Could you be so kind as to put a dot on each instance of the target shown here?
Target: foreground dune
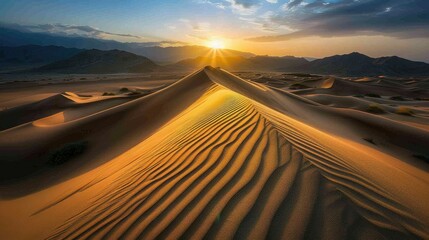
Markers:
(218, 157)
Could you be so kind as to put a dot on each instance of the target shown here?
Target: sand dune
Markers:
(215, 156)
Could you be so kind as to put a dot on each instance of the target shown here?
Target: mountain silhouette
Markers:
(97, 61)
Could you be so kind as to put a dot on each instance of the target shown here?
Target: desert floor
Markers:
(213, 155)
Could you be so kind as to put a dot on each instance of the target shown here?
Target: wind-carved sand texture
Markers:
(232, 159)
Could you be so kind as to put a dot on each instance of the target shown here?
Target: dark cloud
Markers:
(86, 32)
(398, 18)
(70, 30)
(293, 3)
(73, 29)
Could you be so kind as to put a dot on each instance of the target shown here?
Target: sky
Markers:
(311, 28)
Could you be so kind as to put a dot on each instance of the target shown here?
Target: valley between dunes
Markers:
(214, 156)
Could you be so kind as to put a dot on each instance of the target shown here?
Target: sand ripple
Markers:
(241, 161)
(233, 170)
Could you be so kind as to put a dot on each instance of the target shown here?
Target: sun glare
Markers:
(216, 44)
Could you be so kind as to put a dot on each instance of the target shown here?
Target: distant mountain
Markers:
(168, 55)
(237, 63)
(30, 56)
(357, 64)
(401, 66)
(74, 60)
(98, 61)
(13, 37)
(286, 63)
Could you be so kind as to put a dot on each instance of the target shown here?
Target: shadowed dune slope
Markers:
(111, 126)
(343, 87)
(238, 161)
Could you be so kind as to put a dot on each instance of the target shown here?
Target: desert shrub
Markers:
(397, 98)
(373, 95)
(124, 89)
(404, 111)
(108, 94)
(375, 108)
(359, 96)
(83, 78)
(67, 152)
(297, 86)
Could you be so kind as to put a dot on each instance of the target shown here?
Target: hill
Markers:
(30, 56)
(97, 61)
(357, 64)
(255, 63)
(353, 64)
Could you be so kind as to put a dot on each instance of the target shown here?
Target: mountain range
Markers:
(357, 64)
(98, 61)
(61, 54)
(31, 56)
(238, 63)
(71, 60)
(12, 38)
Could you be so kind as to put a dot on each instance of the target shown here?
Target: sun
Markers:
(216, 44)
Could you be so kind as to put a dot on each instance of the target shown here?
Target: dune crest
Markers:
(239, 161)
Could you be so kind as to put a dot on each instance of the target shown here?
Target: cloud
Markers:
(89, 32)
(220, 5)
(244, 7)
(196, 26)
(292, 3)
(397, 18)
(198, 37)
(244, 3)
(240, 7)
(70, 30)
(263, 22)
(162, 44)
(73, 30)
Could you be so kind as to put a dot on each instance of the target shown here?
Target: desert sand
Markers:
(217, 156)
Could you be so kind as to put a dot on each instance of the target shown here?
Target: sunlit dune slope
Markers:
(233, 160)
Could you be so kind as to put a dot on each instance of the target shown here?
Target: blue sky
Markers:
(137, 17)
(267, 26)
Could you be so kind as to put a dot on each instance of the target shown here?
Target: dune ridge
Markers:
(240, 161)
